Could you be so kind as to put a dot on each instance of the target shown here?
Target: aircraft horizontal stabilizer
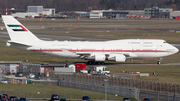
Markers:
(19, 43)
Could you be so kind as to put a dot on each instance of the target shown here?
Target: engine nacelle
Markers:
(117, 57)
(97, 57)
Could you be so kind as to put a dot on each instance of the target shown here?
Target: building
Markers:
(174, 14)
(136, 12)
(41, 10)
(156, 12)
(49, 11)
(115, 13)
(10, 67)
(81, 14)
(35, 9)
(96, 14)
(24, 15)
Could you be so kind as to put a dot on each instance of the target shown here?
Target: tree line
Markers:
(87, 5)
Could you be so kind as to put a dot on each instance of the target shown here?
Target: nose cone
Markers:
(176, 50)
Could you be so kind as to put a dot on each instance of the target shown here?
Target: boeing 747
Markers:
(94, 51)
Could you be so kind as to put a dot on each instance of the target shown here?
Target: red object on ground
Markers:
(80, 66)
(177, 17)
(134, 72)
(150, 73)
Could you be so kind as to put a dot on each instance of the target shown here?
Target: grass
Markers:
(45, 91)
(164, 73)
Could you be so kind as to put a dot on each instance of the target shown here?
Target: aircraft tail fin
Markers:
(16, 31)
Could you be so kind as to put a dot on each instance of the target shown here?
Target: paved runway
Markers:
(159, 23)
(56, 37)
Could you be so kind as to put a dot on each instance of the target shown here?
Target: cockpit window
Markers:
(164, 42)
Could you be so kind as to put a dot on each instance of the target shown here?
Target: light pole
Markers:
(106, 88)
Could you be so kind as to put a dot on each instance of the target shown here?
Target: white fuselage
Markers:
(131, 48)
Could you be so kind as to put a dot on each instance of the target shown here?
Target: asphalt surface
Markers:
(56, 37)
(4, 34)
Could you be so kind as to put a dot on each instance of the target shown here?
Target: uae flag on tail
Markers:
(17, 27)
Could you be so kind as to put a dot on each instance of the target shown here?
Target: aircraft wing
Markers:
(83, 53)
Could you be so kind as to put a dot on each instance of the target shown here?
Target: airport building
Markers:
(24, 15)
(49, 11)
(153, 12)
(82, 14)
(156, 12)
(174, 14)
(35, 9)
(41, 10)
(115, 13)
(10, 66)
(136, 12)
(96, 14)
(108, 14)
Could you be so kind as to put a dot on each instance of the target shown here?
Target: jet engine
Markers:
(117, 57)
(97, 57)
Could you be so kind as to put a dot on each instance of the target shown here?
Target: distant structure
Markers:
(82, 14)
(48, 11)
(24, 15)
(153, 12)
(156, 12)
(96, 14)
(115, 13)
(35, 11)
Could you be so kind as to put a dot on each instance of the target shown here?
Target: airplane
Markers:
(93, 51)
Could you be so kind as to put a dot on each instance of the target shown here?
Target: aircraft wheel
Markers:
(89, 62)
(159, 62)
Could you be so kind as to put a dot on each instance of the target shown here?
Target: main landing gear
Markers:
(94, 62)
(159, 61)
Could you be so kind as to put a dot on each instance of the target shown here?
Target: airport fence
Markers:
(113, 85)
(2, 69)
(97, 83)
(128, 83)
(119, 86)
